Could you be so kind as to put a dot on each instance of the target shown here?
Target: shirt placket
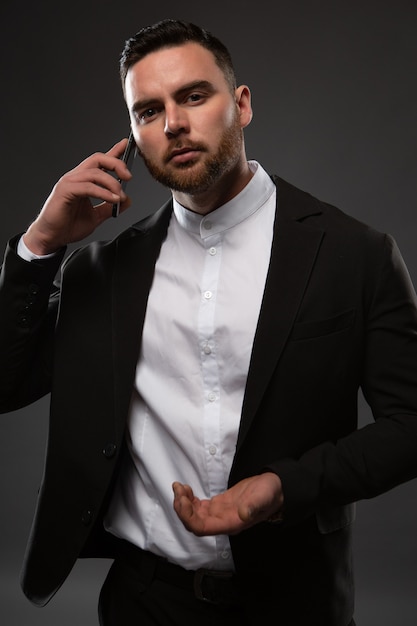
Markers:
(208, 312)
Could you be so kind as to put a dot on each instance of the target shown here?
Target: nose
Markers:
(176, 121)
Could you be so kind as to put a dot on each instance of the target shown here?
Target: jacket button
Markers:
(109, 450)
(24, 320)
(86, 517)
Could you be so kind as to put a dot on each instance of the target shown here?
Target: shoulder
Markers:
(296, 204)
(100, 254)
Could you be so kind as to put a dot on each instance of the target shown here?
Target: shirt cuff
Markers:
(27, 255)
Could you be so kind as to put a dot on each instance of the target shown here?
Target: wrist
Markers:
(38, 245)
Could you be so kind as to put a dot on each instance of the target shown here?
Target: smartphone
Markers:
(128, 157)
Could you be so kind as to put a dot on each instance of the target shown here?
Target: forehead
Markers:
(164, 71)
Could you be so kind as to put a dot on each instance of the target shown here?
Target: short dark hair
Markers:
(168, 33)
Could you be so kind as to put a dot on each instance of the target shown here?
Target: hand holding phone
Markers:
(128, 157)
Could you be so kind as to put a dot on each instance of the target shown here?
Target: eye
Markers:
(195, 97)
(146, 115)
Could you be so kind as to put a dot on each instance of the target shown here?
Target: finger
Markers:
(182, 490)
(93, 182)
(98, 192)
(183, 499)
(245, 513)
(179, 493)
(110, 161)
(118, 148)
(117, 151)
(184, 509)
(125, 204)
(177, 488)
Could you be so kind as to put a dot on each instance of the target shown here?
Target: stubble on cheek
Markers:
(199, 174)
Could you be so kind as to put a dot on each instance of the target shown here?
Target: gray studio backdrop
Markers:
(335, 101)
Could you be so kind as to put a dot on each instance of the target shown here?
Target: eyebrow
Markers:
(187, 88)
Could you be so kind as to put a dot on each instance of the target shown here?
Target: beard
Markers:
(186, 178)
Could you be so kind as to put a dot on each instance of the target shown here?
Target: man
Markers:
(204, 367)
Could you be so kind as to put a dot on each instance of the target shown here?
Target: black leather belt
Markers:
(213, 586)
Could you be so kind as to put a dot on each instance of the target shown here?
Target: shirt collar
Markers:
(252, 197)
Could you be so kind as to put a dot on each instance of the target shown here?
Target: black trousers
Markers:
(143, 590)
(126, 600)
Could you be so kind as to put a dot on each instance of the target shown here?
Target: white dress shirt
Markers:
(200, 323)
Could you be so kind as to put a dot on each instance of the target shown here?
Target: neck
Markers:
(227, 188)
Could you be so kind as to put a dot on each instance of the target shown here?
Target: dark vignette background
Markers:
(335, 100)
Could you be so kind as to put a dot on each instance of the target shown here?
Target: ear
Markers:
(243, 102)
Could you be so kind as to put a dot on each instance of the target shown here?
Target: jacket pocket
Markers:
(331, 518)
(309, 330)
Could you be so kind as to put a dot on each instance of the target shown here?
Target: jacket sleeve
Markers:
(383, 454)
(28, 309)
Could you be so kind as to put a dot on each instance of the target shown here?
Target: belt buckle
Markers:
(199, 576)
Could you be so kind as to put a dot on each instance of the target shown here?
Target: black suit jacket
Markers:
(338, 312)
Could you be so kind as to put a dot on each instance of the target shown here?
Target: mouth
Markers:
(182, 155)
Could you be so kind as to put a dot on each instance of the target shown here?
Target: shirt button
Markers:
(211, 396)
(207, 349)
(207, 225)
(208, 295)
(213, 251)
(212, 450)
(225, 555)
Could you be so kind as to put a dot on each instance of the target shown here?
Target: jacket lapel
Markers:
(294, 250)
(136, 254)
